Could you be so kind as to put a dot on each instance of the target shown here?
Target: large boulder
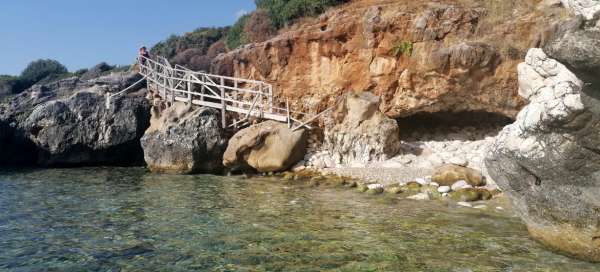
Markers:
(81, 130)
(184, 140)
(548, 161)
(448, 174)
(266, 147)
(361, 133)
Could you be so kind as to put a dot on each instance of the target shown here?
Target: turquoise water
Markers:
(124, 219)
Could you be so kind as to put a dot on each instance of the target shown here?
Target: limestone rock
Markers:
(548, 161)
(576, 44)
(65, 122)
(362, 133)
(184, 140)
(80, 130)
(267, 147)
(448, 174)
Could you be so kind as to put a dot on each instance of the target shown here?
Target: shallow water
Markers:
(124, 219)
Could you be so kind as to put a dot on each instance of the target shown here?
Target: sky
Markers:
(83, 33)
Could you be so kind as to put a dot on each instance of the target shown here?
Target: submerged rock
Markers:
(184, 140)
(362, 133)
(267, 147)
(467, 195)
(548, 161)
(420, 196)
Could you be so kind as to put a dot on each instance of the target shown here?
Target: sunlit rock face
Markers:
(418, 56)
(269, 146)
(361, 134)
(548, 161)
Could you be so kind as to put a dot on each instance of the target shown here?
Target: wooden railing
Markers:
(244, 97)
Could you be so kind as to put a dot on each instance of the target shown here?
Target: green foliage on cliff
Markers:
(402, 48)
(9, 84)
(284, 12)
(40, 69)
(201, 38)
(236, 36)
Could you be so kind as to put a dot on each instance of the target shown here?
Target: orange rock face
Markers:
(419, 56)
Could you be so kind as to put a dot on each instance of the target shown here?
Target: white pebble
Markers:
(375, 186)
(461, 184)
(458, 161)
(435, 184)
(444, 189)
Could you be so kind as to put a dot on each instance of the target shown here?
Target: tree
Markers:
(40, 69)
(236, 36)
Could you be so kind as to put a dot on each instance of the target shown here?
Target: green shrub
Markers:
(236, 36)
(7, 78)
(40, 69)
(201, 38)
(402, 48)
(284, 12)
(80, 72)
(9, 84)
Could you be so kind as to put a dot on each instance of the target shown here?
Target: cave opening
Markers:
(448, 126)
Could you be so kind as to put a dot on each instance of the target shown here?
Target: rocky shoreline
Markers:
(546, 161)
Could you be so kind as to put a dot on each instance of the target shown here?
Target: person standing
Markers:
(143, 55)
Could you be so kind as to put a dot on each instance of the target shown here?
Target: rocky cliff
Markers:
(66, 123)
(419, 56)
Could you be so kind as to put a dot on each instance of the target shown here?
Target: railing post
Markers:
(164, 87)
(172, 86)
(287, 108)
(270, 99)
(223, 105)
(235, 92)
(189, 88)
(107, 101)
(202, 88)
